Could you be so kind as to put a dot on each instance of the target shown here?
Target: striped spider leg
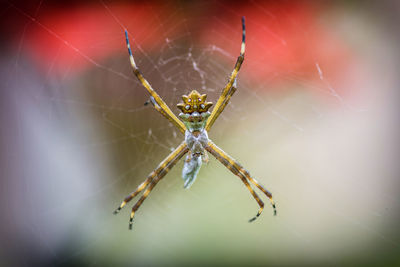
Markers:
(225, 102)
(218, 153)
(154, 177)
(230, 87)
(242, 173)
(155, 99)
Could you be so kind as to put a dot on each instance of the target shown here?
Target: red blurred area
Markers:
(74, 38)
(285, 40)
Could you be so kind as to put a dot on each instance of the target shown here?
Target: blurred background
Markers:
(315, 119)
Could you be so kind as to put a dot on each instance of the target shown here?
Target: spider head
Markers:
(194, 102)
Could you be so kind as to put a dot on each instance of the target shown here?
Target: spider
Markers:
(195, 121)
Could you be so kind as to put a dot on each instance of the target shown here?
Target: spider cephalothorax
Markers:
(194, 111)
(194, 102)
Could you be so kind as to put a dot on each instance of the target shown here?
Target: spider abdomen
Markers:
(190, 169)
(196, 142)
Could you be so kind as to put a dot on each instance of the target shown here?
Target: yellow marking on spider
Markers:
(146, 193)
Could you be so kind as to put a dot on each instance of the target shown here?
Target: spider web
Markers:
(77, 138)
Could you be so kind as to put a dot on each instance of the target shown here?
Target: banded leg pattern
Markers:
(219, 106)
(163, 107)
(235, 167)
(153, 178)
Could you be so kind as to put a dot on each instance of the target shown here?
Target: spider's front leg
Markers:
(238, 170)
(155, 99)
(230, 87)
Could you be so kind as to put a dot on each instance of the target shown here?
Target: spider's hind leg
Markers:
(140, 188)
(238, 170)
(153, 178)
(235, 171)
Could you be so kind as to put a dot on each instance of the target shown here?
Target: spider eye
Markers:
(190, 100)
(199, 100)
(187, 107)
(202, 106)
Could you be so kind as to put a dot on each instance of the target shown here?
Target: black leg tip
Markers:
(274, 209)
(116, 211)
(147, 102)
(254, 218)
(130, 223)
